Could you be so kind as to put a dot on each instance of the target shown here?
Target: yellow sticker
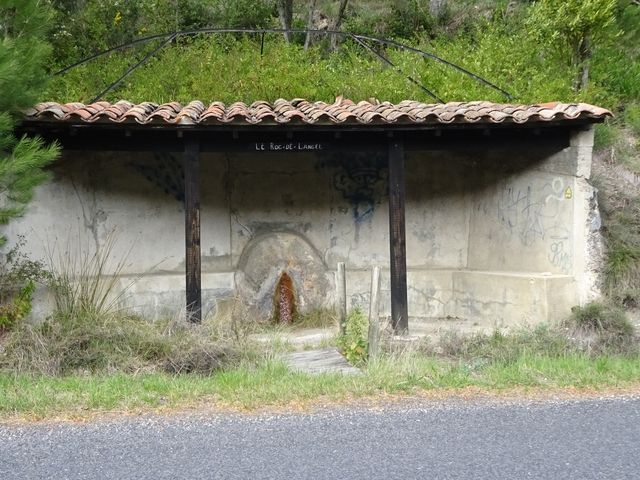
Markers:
(568, 193)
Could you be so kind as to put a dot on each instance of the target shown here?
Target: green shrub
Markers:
(410, 18)
(600, 328)
(88, 27)
(18, 307)
(18, 278)
(599, 317)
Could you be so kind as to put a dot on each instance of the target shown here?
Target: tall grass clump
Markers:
(116, 344)
(87, 284)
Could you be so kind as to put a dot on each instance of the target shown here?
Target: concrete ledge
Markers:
(500, 299)
(162, 295)
(486, 299)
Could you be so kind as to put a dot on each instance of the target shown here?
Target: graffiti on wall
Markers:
(521, 213)
(361, 180)
(532, 212)
(560, 257)
(535, 213)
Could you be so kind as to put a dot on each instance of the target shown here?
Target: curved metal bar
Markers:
(432, 56)
(133, 67)
(111, 50)
(380, 41)
(385, 60)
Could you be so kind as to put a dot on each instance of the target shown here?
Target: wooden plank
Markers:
(374, 316)
(192, 229)
(327, 360)
(397, 239)
(341, 297)
(471, 140)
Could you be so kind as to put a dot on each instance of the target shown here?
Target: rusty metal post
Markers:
(397, 238)
(192, 229)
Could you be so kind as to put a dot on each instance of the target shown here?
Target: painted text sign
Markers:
(288, 147)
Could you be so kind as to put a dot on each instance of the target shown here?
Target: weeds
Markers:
(318, 318)
(600, 318)
(126, 344)
(499, 347)
(593, 330)
(89, 333)
(353, 343)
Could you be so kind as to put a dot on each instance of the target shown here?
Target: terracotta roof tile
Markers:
(301, 111)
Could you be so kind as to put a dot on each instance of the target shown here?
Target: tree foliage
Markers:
(89, 26)
(23, 55)
(576, 25)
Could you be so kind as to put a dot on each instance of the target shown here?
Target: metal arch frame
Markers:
(395, 159)
(361, 40)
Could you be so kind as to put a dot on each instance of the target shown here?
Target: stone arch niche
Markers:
(268, 259)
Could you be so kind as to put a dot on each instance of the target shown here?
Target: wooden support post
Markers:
(374, 316)
(397, 239)
(192, 228)
(341, 297)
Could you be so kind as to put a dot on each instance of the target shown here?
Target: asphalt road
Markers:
(593, 439)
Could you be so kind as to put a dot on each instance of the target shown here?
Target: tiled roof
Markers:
(299, 111)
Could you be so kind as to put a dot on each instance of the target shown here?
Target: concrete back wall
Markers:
(493, 237)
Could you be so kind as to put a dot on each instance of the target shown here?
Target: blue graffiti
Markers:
(362, 181)
(166, 172)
